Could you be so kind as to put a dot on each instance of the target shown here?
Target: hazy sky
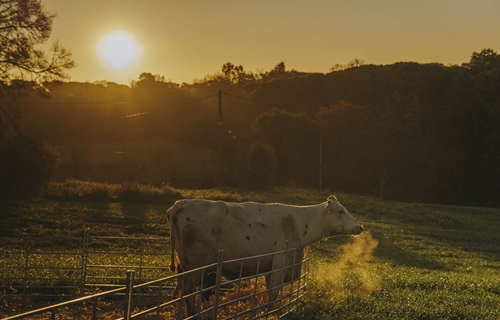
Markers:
(186, 40)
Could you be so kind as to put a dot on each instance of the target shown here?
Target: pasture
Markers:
(415, 261)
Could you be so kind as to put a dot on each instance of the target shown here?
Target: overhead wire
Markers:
(250, 99)
(95, 102)
(138, 114)
(164, 108)
(143, 113)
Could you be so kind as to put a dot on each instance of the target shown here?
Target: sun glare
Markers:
(118, 49)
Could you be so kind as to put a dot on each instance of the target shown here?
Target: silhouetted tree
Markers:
(351, 64)
(236, 74)
(26, 162)
(260, 166)
(295, 139)
(483, 101)
(24, 25)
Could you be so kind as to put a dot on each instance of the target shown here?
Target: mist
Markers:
(353, 273)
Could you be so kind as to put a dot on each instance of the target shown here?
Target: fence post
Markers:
(26, 265)
(158, 302)
(94, 308)
(85, 253)
(220, 259)
(140, 259)
(128, 294)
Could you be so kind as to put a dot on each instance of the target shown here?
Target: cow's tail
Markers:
(172, 257)
(172, 242)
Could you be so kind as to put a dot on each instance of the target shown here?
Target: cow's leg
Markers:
(274, 281)
(180, 280)
(191, 281)
(177, 291)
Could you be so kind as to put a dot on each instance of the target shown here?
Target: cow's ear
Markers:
(329, 200)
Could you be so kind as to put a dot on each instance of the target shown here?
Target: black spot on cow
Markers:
(249, 224)
(260, 224)
(248, 238)
(289, 227)
(306, 226)
(274, 242)
(188, 219)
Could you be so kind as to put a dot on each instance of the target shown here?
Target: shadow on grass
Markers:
(386, 250)
(389, 251)
(407, 258)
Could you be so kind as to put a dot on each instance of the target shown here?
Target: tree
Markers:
(293, 138)
(26, 162)
(485, 59)
(260, 165)
(236, 74)
(351, 64)
(153, 84)
(279, 68)
(484, 142)
(24, 24)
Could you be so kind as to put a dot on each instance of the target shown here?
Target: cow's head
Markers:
(339, 220)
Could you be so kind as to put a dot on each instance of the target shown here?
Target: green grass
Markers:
(415, 261)
(89, 191)
(430, 262)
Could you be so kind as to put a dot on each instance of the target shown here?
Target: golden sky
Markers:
(186, 40)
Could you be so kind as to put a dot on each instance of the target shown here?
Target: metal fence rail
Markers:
(246, 296)
(81, 265)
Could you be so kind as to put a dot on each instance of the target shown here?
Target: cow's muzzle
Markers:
(360, 229)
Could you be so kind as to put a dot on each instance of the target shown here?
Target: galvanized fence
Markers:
(244, 297)
(79, 265)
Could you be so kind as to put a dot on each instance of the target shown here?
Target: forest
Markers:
(404, 132)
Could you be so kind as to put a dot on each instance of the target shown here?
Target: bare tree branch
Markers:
(24, 25)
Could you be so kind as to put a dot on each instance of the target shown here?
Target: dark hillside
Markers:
(406, 131)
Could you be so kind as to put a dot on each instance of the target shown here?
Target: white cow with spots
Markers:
(200, 228)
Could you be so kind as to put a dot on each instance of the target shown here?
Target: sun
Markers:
(118, 49)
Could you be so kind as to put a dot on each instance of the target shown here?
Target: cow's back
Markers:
(202, 227)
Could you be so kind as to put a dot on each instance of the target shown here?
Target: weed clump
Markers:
(89, 191)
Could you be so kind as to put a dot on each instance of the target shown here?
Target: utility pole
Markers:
(221, 150)
(320, 163)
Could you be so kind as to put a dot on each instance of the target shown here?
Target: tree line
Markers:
(405, 131)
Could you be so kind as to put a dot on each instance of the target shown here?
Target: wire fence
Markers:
(79, 265)
(242, 297)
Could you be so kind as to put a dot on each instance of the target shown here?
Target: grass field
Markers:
(415, 261)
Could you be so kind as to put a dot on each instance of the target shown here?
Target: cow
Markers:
(200, 228)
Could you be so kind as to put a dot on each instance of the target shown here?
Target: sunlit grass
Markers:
(415, 261)
(76, 190)
(416, 271)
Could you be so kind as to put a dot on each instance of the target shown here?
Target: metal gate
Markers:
(81, 265)
(245, 300)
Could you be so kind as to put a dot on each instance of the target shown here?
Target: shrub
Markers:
(26, 164)
(137, 193)
(260, 165)
(76, 190)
